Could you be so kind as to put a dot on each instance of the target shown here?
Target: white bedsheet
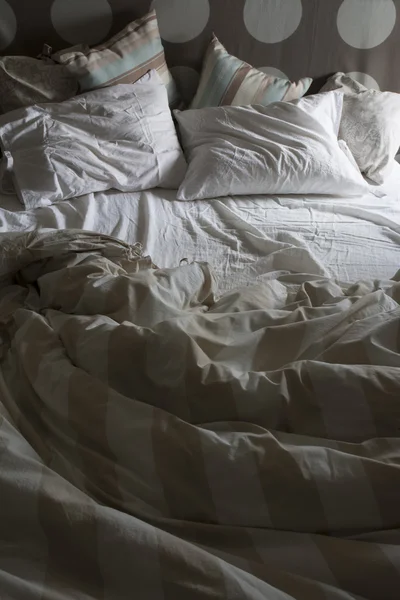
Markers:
(242, 238)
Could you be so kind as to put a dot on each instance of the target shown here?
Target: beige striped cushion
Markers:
(124, 58)
(227, 80)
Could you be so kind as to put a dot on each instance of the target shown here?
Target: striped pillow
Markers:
(227, 80)
(124, 58)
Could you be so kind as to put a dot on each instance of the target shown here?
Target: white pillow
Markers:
(283, 148)
(120, 137)
(370, 125)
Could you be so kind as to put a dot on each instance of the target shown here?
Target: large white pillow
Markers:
(120, 137)
(283, 148)
(370, 125)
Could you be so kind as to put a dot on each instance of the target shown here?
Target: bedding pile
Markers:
(157, 442)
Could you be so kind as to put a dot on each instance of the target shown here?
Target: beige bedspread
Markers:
(159, 444)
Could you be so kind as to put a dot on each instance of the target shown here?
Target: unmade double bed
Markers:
(200, 311)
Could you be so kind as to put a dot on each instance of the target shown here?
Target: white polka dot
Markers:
(81, 21)
(364, 24)
(181, 20)
(8, 24)
(187, 81)
(364, 79)
(274, 72)
(272, 21)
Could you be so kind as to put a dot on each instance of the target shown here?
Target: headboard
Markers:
(297, 37)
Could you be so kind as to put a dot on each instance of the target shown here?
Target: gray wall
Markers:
(298, 37)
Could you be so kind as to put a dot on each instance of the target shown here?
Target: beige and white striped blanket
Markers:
(157, 444)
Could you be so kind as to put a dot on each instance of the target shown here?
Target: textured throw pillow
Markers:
(284, 148)
(124, 58)
(120, 137)
(227, 80)
(370, 125)
(25, 81)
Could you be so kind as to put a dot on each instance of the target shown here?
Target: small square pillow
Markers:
(370, 125)
(284, 148)
(120, 137)
(228, 81)
(124, 58)
(25, 81)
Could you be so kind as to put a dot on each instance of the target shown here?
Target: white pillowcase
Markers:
(283, 148)
(120, 137)
(370, 125)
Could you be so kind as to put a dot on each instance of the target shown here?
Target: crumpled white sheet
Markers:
(243, 238)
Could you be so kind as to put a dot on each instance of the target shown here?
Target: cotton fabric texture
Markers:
(124, 58)
(157, 444)
(227, 80)
(285, 148)
(244, 237)
(25, 81)
(120, 137)
(370, 125)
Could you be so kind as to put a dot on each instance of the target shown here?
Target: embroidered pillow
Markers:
(370, 125)
(25, 81)
(227, 80)
(124, 58)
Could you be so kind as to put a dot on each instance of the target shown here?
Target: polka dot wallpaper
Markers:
(294, 37)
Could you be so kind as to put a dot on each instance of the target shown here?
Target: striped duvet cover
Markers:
(159, 443)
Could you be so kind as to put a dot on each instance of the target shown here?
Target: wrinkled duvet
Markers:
(158, 443)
